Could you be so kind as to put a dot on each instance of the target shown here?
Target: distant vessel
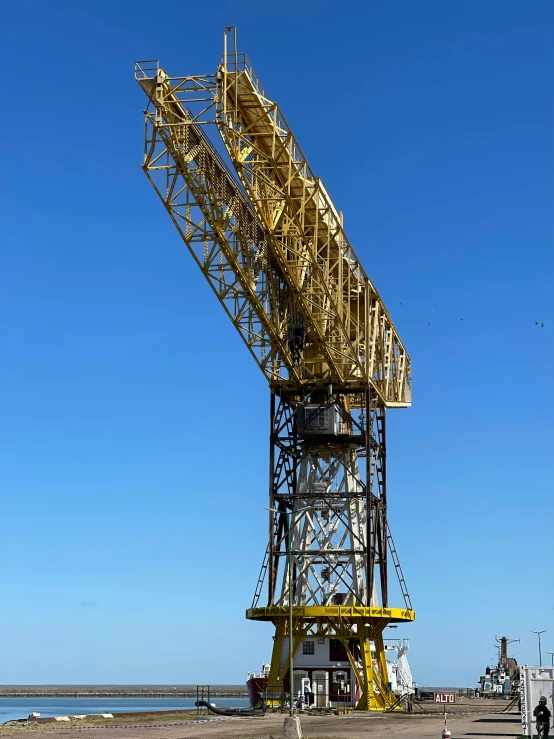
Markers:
(323, 676)
(399, 672)
(256, 684)
(503, 679)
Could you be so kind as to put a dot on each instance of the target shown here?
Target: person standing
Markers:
(542, 714)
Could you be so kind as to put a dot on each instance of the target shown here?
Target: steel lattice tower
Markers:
(273, 248)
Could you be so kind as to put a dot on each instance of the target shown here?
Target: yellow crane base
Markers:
(347, 624)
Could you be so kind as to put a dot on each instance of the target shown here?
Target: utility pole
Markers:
(291, 643)
(289, 515)
(538, 633)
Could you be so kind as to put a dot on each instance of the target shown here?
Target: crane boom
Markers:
(354, 340)
(293, 286)
(219, 226)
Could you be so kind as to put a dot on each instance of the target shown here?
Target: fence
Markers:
(317, 694)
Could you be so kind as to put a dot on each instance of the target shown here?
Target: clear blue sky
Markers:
(133, 486)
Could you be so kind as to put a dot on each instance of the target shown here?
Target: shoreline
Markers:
(35, 691)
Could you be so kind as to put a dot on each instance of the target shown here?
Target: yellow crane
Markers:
(272, 245)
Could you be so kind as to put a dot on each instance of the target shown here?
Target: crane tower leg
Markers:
(328, 514)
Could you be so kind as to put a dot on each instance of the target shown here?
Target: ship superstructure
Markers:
(502, 679)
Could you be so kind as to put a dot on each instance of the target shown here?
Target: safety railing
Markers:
(315, 695)
(146, 69)
(240, 63)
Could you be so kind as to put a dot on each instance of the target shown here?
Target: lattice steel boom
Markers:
(273, 248)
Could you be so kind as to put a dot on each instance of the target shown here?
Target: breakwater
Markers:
(119, 691)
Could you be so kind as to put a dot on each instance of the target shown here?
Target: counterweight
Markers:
(273, 248)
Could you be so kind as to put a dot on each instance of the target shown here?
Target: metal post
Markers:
(271, 512)
(383, 569)
(551, 658)
(370, 559)
(225, 32)
(289, 515)
(538, 633)
(291, 648)
(236, 72)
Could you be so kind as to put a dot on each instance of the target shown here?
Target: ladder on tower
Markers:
(263, 569)
(261, 579)
(398, 568)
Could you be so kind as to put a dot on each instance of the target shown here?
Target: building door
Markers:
(320, 686)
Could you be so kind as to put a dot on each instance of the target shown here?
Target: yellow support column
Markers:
(275, 689)
(387, 698)
(367, 700)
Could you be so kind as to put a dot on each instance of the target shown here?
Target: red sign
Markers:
(449, 697)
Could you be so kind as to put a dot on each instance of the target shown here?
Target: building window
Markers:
(308, 647)
(337, 651)
(316, 419)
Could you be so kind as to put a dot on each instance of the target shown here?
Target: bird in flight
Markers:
(536, 323)
(461, 319)
(428, 323)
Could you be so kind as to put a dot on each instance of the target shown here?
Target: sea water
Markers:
(13, 708)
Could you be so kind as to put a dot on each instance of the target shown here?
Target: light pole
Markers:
(289, 515)
(551, 658)
(291, 648)
(538, 633)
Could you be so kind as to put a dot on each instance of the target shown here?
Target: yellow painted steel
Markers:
(269, 247)
(347, 624)
(371, 613)
(353, 340)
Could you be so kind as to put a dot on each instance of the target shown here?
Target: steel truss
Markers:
(328, 510)
(216, 221)
(273, 249)
(296, 238)
(359, 629)
(352, 340)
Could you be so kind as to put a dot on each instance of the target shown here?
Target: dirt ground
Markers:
(376, 726)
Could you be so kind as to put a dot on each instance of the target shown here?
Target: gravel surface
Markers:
(376, 726)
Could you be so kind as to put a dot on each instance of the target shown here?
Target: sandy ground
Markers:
(376, 726)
